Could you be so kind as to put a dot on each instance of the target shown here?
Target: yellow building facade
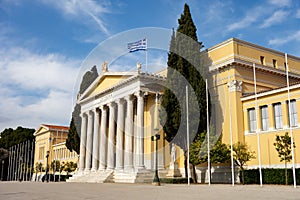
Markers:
(232, 65)
(119, 118)
(50, 142)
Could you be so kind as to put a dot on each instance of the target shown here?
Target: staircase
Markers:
(92, 177)
(140, 176)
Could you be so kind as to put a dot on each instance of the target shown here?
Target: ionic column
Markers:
(128, 159)
(111, 136)
(96, 140)
(140, 131)
(103, 138)
(120, 130)
(82, 142)
(89, 142)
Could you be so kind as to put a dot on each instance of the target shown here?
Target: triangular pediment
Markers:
(104, 82)
(41, 129)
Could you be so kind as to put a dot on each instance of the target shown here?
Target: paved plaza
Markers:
(39, 190)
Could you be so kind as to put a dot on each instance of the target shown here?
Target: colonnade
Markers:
(109, 139)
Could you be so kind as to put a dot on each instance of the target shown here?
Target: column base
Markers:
(128, 169)
(119, 169)
(93, 170)
(87, 171)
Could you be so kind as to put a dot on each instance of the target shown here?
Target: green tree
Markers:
(283, 147)
(183, 69)
(241, 155)
(73, 140)
(10, 137)
(219, 152)
(55, 165)
(70, 167)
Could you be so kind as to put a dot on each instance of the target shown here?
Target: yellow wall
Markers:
(57, 140)
(228, 104)
(107, 82)
(269, 156)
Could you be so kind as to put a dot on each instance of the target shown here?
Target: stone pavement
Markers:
(39, 190)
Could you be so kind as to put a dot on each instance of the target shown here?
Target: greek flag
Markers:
(136, 46)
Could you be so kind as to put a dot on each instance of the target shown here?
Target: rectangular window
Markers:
(274, 63)
(278, 115)
(293, 119)
(41, 153)
(264, 118)
(252, 120)
(262, 60)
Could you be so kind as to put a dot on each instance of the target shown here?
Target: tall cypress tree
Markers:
(184, 68)
(73, 140)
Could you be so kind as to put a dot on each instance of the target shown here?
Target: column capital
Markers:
(103, 107)
(129, 98)
(140, 94)
(120, 101)
(111, 105)
(96, 110)
(235, 86)
(158, 97)
(89, 113)
(84, 114)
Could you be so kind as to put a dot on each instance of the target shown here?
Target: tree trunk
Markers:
(243, 175)
(194, 176)
(286, 176)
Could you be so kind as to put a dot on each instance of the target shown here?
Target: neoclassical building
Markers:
(50, 142)
(119, 117)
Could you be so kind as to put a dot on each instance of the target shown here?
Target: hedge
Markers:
(270, 176)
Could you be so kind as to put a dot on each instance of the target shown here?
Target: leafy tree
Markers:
(55, 165)
(73, 140)
(181, 72)
(241, 155)
(283, 147)
(219, 152)
(10, 137)
(70, 167)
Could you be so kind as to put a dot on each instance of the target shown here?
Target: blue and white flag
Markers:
(139, 45)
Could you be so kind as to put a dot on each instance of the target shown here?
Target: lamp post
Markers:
(47, 167)
(155, 138)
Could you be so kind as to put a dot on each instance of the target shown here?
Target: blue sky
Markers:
(44, 43)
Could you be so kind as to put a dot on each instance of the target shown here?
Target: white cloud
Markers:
(280, 3)
(248, 20)
(280, 41)
(83, 10)
(276, 18)
(35, 88)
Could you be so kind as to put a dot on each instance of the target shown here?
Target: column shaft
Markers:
(111, 137)
(140, 131)
(120, 131)
(128, 159)
(82, 142)
(96, 140)
(89, 142)
(103, 138)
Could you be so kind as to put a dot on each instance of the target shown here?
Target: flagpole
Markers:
(230, 130)
(208, 133)
(187, 134)
(257, 130)
(290, 120)
(146, 54)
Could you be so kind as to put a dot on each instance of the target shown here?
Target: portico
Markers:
(114, 127)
